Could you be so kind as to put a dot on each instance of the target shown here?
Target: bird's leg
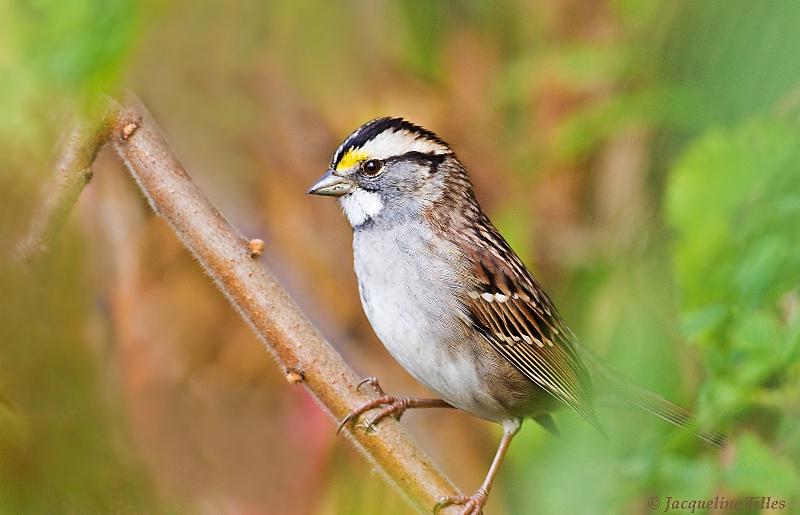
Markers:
(473, 504)
(394, 406)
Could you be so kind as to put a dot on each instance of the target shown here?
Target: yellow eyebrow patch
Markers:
(350, 158)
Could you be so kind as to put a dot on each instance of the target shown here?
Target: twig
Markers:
(73, 173)
(230, 259)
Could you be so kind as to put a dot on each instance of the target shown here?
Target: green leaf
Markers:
(733, 200)
(685, 478)
(758, 470)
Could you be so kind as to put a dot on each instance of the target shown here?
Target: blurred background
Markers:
(643, 157)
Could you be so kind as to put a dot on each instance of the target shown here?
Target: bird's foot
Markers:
(394, 406)
(472, 504)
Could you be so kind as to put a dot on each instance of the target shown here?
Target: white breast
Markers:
(408, 293)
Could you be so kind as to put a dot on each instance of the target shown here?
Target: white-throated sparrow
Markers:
(450, 299)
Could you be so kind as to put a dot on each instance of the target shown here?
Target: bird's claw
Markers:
(473, 504)
(344, 421)
(372, 380)
(394, 406)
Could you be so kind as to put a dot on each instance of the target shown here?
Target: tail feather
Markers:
(654, 404)
(631, 394)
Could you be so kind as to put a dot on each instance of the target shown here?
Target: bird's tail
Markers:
(626, 392)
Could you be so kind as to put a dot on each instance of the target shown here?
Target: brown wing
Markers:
(518, 319)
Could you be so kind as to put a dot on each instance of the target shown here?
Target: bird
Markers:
(453, 303)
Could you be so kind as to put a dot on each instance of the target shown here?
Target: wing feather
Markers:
(516, 317)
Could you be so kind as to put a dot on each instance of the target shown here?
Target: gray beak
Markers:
(332, 185)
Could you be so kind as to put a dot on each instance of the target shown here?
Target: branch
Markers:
(229, 258)
(73, 173)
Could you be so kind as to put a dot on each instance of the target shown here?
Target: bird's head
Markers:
(389, 169)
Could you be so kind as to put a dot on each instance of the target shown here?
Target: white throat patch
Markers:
(360, 205)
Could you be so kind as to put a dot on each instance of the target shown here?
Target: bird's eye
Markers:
(372, 167)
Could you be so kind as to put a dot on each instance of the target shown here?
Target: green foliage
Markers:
(735, 198)
(682, 477)
(756, 470)
(62, 447)
(739, 58)
(56, 56)
(734, 202)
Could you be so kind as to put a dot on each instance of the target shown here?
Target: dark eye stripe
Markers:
(431, 158)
